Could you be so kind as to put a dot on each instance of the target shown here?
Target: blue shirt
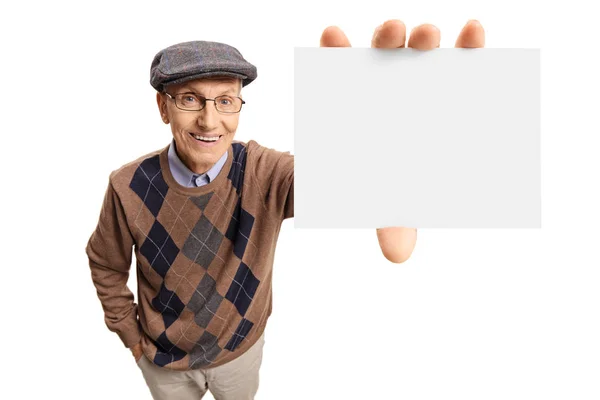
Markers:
(187, 178)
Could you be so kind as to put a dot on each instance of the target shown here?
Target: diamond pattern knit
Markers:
(204, 255)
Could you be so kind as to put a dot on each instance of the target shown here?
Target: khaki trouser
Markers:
(235, 380)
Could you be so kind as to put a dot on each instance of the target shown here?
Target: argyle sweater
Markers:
(204, 255)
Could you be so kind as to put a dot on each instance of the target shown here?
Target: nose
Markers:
(209, 116)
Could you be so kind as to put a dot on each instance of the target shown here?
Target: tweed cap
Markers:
(198, 59)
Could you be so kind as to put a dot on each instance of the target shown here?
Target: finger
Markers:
(424, 37)
(397, 243)
(333, 36)
(390, 35)
(471, 36)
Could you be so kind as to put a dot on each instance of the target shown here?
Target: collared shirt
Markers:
(187, 178)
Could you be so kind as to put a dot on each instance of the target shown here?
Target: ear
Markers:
(162, 107)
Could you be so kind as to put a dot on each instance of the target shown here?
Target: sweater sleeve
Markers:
(274, 171)
(109, 251)
(285, 180)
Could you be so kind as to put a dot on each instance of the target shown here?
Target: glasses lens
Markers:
(228, 104)
(189, 101)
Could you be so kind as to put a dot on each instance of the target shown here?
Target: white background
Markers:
(474, 314)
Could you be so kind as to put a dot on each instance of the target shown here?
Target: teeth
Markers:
(213, 139)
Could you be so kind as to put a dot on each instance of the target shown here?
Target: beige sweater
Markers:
(204, 255)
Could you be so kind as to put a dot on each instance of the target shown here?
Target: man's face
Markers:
(186, 126)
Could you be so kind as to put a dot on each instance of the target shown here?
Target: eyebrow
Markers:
(187, 89)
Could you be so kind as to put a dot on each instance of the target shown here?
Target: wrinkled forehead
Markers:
(200, 85)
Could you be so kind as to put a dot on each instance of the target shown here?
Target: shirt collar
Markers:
(183, 175)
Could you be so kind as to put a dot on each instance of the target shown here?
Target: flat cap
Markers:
(198, 59)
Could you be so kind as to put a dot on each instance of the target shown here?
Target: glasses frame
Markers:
(205, 100)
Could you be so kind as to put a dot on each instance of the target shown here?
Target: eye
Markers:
(226, 101)
(189, 99)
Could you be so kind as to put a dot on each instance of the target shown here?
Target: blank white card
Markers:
(445, 138)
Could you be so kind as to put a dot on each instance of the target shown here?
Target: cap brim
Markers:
(205, 75)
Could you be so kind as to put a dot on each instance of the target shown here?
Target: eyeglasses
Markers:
(194, 102)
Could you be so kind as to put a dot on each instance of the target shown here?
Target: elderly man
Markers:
(203, 215)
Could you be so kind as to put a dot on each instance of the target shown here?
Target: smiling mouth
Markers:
(206, 139)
